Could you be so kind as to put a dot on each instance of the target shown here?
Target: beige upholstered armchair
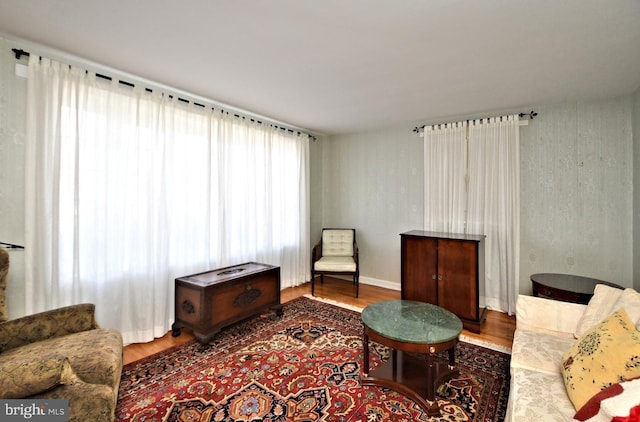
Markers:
(62, 354)
(336, 253)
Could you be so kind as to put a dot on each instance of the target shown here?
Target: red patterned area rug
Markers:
(303, 366)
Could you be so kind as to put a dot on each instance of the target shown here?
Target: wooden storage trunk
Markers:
(209, 301)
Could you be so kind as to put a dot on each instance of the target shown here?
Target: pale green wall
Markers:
(577, 191)
(315, 188)
(373, 183)
(636, 189)
(12, 127)
(576, 186)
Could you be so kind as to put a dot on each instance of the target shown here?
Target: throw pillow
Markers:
(605, 355)
(630, 301)
(600, 306)
(620, 402)
(23, 377)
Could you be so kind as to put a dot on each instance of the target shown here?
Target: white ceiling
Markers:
(341, 66)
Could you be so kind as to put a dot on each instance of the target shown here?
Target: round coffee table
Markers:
(410, 327)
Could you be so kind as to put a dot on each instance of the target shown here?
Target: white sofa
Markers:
(545, 330)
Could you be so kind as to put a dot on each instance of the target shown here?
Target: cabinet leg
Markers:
(176, 330)
(365, 353)
(204, 339)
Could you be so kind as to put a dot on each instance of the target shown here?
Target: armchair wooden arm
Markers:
(356, 253)
(316, 253)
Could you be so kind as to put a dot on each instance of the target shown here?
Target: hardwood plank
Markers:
(497, 329)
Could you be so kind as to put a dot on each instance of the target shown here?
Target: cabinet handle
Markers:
(439, 277)
(433, 277)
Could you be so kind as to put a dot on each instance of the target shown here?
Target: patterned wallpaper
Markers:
(636, 189)
(577, 191)
(374, 182)
(12, 127)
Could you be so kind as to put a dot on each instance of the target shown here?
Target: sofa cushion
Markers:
(337, 242)
(535, 396)
(87, 402)
(606, 354)
(539, 351)
(600, 307)
(335, 263)
(548, 316)
(103, 365)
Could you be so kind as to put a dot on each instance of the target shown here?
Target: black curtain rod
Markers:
(530, 115)
(10, 246)
(19, 53)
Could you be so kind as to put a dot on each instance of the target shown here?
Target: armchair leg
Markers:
(356, 282)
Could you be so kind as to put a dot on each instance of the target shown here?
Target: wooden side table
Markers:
(565, 287)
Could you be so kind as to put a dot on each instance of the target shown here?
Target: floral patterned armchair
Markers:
(62, 354)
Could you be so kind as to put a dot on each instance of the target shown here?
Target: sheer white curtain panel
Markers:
(128, 189)
(494, 205)
(445, 171)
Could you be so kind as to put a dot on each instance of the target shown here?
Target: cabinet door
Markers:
(457, 277)
(419, 260)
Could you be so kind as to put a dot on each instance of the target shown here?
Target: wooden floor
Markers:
(498, 327)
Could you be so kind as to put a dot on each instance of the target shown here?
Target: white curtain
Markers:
(473, 187)
(128, 189)
(445, 162)
(494, 205)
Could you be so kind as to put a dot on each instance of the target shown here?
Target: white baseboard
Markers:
(385, 284)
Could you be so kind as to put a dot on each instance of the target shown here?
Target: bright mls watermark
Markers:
(40, 410)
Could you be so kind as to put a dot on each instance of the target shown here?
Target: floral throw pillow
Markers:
(606, 354)
(23, 376)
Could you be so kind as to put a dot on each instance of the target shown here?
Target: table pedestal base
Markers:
(417, 378)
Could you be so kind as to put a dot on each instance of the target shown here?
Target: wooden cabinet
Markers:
(210, 301)
(447, 270)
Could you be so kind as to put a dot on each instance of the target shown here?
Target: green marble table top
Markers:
(411, 321)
